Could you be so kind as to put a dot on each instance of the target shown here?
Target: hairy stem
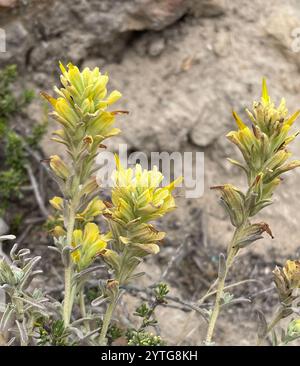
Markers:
(106, 321)
(120, 278)
(69, 293)
(220, 291)
(82, 308)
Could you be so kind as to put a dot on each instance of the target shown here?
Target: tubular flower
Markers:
(59, 167)
(287, 279)
(136, 200)
(94, 208)
(57, 203)
(233, 200)
(83, 100)
(264, 148)
(88, 244)
(137, 194)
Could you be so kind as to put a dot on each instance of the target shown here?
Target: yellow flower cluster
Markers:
(264, 146)
(83, 99)
(264, 149)
(137, 199)
(81, 110)
(137, 194)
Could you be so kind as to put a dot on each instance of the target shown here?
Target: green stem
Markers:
(69, 291)
(82, 308)
(120, 278)
(220, 291)
(106, 321)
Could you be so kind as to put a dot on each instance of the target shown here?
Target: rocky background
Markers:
(182, 66)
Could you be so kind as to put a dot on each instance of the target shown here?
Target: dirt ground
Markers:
(181, 66)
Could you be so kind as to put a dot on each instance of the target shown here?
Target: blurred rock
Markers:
(8, 3)
(83, 28)
(156, 47)
(209, 128)
(209, 8)
(283, 28)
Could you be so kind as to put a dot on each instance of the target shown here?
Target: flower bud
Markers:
(59, 167)
(233, 200)
(57, 203)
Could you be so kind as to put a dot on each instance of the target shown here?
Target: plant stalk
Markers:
(121, 278)
(106, 321)
(220, 291)
(69, 293)
(83, 308)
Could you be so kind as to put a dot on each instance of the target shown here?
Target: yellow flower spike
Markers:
(57, 203)
(137, 193)
(81, 101)
(59, 167)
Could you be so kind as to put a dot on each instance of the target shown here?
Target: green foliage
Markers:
(144, 339)
(13, 155)
(160, 292)
(8, 103)
(114, 333)
(54, 334)
(139, 337)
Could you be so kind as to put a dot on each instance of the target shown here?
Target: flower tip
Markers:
(62, 68)
(265, 95)
(48, 97)
(241, 125)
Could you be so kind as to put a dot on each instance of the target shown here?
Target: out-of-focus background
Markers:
(181, 66)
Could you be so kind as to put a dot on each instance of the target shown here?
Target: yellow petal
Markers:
(265, 95)
(57, 203)
(239, 122)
